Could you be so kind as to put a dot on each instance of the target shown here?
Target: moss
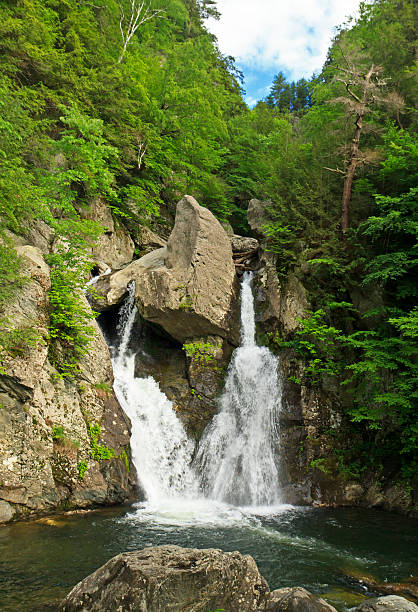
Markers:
(98, 451)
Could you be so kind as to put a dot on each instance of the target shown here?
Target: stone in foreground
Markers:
(171, 579)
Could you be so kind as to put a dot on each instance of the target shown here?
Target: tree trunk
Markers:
(354, 155)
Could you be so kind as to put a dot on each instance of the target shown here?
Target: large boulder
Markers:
(110, 289)
(189, 289)
(296, 600)
(44, 438)
(390, 603)
(170, 578)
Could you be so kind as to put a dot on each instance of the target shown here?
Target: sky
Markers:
(269, 36)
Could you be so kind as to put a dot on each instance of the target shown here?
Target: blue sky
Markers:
(267, 36)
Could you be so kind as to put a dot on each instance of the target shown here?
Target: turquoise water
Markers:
(314, 548)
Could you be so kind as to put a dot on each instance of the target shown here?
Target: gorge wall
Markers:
(65, 443)
(312, 415)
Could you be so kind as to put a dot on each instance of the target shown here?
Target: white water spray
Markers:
(237, 456)
(161, 450)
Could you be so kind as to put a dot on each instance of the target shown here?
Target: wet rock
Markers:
(6, 512)
(296, 600)
(391, 603)
(166, 578)
(191, 386)
(407, 588)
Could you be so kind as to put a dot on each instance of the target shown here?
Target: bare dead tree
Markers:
(140, 12)
(362, 87)
(142, 149)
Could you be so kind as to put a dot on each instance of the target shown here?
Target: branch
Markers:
(139, 16)
(347, 86)
(337, 170)
(142, 149)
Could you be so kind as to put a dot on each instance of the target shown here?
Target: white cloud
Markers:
(291, 35)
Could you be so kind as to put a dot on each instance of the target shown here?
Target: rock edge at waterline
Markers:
(171, 578)
(164, 578)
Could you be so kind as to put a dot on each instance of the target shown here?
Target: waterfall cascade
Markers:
(236, 462)
(238, 453)
(161, 450)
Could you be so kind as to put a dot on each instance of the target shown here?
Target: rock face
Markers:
(111, 289)
(189, 289)
(44, 439)
(391, 603)
(191, 383)
(241, 244)
(281, 304)
(312, 415)
(114, 248)
(296, 600)
(171, 578)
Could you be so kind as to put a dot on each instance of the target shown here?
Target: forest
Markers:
(142, 111)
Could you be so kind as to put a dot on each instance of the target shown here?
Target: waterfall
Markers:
(237, 456)
(161, 450)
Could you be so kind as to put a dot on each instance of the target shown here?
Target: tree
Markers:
(140, 13)
(362, 87)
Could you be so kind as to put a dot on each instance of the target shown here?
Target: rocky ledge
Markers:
(171, 578)
(63, 443)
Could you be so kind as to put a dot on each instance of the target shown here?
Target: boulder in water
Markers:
(296, 600)
(165, 578)
(390, 603)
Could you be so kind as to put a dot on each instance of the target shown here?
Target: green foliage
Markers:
(103, 386)
(98, 451)
(58, 432)
(186, 303)
(82, 468)
(203, 353)
(125, 458)
(319, 345)
(319, 464)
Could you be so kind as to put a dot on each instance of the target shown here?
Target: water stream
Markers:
(238, 455)
(161, 450)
